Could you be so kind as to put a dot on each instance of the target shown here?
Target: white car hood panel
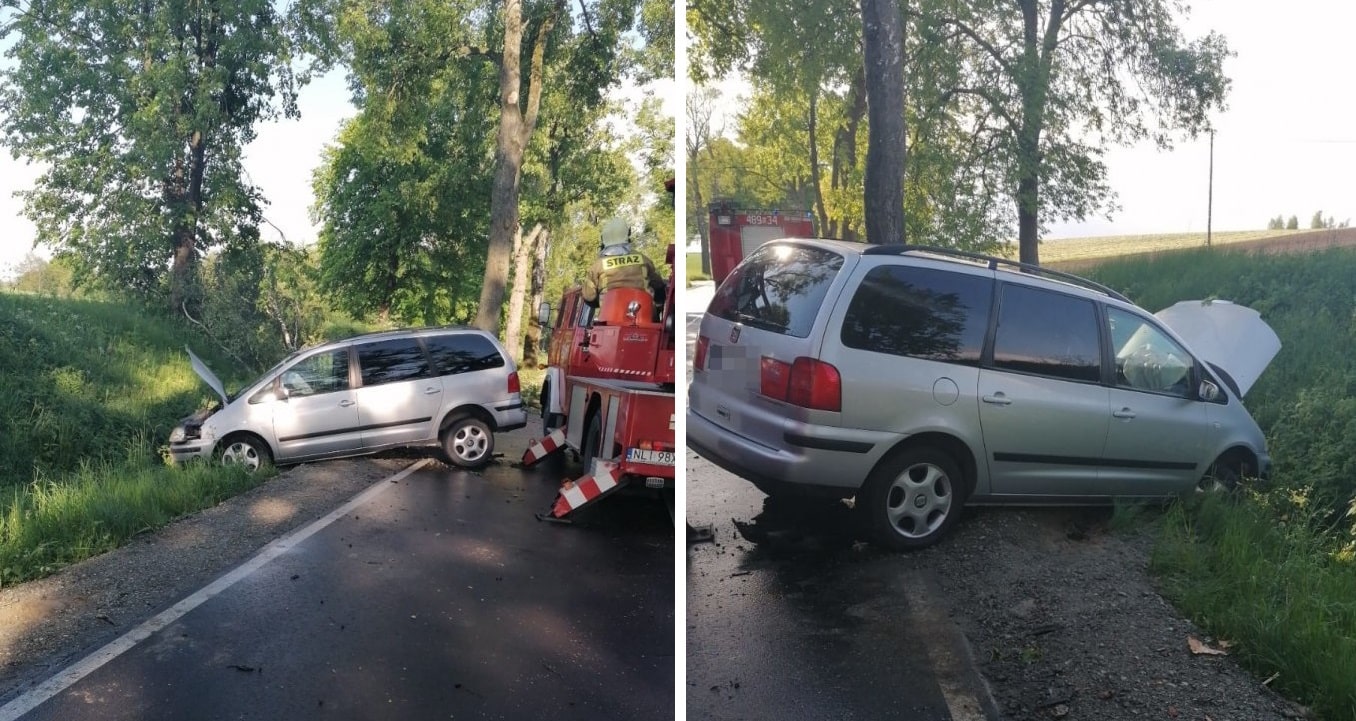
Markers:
(1231, 336)
(207, 375)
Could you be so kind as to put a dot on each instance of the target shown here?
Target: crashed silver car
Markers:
(921, 380)
(449, 387)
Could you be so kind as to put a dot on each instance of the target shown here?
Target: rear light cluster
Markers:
(699, 358)
(656, 446)
(804, 382)
(514, 386)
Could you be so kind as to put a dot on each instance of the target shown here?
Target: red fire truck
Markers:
(737, 232)
(608, 396)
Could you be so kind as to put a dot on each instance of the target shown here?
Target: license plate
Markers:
(658, 458)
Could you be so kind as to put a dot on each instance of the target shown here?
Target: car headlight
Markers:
(177, 435)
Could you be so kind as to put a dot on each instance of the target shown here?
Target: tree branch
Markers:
(984, 44)
(987, 95)
(535, 72)
(479, 52)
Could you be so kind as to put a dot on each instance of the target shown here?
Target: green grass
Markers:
(88, 396)
(1272, 571)
(1277, 590)
(694, 268)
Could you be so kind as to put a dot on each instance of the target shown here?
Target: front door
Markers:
(317, 414)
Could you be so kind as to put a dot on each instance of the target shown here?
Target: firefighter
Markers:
(621, 275)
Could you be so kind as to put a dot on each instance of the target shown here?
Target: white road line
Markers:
(91, 663)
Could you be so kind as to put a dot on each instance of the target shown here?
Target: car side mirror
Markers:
(1208, 392)
(544, 314)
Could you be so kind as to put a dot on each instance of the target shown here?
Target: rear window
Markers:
(780, 288)
(462, 353)
(920, 313)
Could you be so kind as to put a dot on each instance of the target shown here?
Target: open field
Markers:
(1078, 254)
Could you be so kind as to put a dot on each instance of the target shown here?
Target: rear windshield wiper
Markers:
(763, 323)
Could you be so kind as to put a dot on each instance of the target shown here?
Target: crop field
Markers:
(1079, 254)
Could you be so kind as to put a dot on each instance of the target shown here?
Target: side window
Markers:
(1146, 358)
(390, 361)
(921, 313)
(462, 353)
(565, 310)
(320, 373)
(585, 314)
(1047, 333)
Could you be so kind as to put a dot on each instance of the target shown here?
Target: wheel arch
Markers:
(469, 409)
(957, 449)
(1240, 457)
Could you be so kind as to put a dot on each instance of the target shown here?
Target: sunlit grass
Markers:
(1067, 249)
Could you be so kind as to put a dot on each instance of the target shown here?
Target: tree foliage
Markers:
(140, 112)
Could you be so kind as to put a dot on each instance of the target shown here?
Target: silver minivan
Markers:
(920, 380)
(454, 387)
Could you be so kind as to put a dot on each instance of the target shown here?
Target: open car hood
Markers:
(207, 375)
(1230, 336)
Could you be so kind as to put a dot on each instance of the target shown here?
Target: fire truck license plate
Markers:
(658, 458)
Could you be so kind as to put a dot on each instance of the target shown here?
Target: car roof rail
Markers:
(993, 262)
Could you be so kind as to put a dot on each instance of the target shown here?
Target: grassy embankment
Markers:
(1273, 571)
(88, 395)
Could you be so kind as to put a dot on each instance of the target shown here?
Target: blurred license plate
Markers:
(658, 458)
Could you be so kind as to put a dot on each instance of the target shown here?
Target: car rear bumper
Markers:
(774, 471)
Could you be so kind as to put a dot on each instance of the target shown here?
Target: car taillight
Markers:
(699, 358)
(815, 384)
(655, 446)
(775, 378)
(514, 386)
(804, 382)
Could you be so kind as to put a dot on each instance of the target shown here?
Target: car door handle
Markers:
(998, 399)
(431, 391)
(1125, 413)
(345, 403)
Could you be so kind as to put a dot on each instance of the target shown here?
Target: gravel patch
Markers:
(48, 624)
(1065, 621)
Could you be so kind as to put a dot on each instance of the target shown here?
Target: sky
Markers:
(1286, 145)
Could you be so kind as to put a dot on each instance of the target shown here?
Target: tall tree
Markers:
(594, 64)
(1061, 78)
(140, 111)
(883, 55)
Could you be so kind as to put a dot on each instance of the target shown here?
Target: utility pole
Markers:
(1210, 195)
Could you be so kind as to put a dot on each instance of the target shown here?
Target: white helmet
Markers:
(615, 232)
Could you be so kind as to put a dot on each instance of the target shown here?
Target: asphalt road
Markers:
(791, 615)
(437, 596)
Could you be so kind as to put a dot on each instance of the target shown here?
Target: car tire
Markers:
(912, 499)
(593, 441)
(246, 451)
(468, 442)
(1222, 477)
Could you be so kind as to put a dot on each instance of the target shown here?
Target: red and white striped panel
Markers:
(574, 494)
(544, 447)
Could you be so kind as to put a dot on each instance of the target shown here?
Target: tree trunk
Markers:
(845, 149)
(883, 54)
(1034, 85)
(515, 130)
(815, 175)
(513, 326)
(532, 344)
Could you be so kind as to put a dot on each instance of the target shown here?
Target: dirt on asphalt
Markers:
(1063, 618)
(48, 624)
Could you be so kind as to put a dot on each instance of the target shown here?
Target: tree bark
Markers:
(845, 150)
(513, 325)
(883, 55)
(815, 175)
(1034, 85)
(515, 130)
(532, 342)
